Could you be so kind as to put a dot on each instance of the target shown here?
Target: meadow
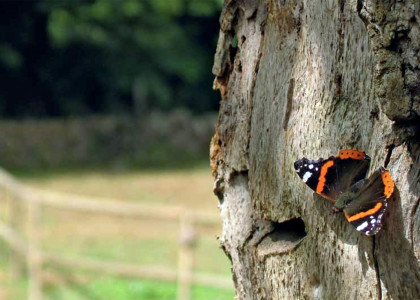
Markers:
(134, 241)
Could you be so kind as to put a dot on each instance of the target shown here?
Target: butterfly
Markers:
(342, 180)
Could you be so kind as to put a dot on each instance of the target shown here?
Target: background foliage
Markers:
(78, 57)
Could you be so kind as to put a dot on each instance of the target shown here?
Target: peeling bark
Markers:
(308, 78)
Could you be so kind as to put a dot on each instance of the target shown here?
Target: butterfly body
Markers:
(341, 179)
(344, 200)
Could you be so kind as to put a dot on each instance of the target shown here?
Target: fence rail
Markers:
(30, 249)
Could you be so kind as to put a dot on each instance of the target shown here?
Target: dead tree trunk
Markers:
(308, 78)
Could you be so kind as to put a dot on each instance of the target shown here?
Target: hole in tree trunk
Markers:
(285, 237)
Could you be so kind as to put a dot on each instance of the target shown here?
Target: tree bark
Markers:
(308, 78)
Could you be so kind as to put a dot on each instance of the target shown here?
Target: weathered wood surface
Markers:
(308, 78)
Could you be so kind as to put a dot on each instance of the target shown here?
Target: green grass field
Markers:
(133, 241)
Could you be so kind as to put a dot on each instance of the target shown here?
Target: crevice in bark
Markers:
(284, 238)
(223, 247)
(226, 50)
(338, 80)
(340, 32)
(388, 155)
(233, 47)
(254, 79)
(216, 158)
(252, 15)
(342, 6)
(377, 271)
(395, 43)
(406, 131)
(234, 173)
(233, 50)
(260, 230)
(374, 114)
(412, 219)
(361, 14)
(289, 103)
(219, 189)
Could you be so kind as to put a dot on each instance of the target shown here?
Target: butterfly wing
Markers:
(335, 175)
(366, 210)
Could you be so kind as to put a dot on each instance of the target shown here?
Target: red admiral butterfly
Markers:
(342, 180)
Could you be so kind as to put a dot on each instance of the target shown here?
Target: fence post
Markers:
(15, 212)
(34, 255)
(186, 256)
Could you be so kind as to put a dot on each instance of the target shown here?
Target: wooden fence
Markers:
(16, 195)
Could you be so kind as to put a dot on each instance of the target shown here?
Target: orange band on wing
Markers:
(389, 184)
(364, 213)
(351, 153)
(321, 180)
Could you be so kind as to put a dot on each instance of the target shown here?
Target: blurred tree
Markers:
(71, 57)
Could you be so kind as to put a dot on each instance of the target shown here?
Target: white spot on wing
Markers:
(316, 168)
(311, 166)
(306, 176)
(362, 226)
